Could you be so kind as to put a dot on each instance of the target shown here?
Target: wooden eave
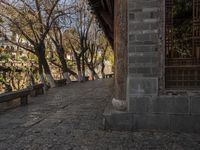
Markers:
(104, 11)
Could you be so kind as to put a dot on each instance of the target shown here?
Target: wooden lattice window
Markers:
(182, 44)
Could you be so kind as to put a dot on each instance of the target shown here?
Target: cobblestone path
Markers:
(70, 118)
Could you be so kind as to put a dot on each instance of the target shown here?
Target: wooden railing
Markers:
(109, 75)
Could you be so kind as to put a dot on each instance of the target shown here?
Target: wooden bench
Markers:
(109, 75)
(60, 83)
(22, 94)
(37, 89)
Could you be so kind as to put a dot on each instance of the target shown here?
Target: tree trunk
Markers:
(42, 78)
(72, 73)
(94, 74)
(41, 73)
(41, 56)
(32, 79)
(92, 69)
(8, 87)
(78, 63)
(102, 70)
(60, 52)
(83, 67)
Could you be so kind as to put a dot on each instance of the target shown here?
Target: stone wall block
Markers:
(185, 123)
(195, 105)
(143, 4)
(143, 48)
(141, 86)
(171, 105)
(140, 105)
(151, 121)
(144, 58)
(121, 121)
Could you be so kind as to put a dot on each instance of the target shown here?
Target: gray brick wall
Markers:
(143, 32)
(147, 108)
(174, 113)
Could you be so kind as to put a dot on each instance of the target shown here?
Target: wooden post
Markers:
(121, 53)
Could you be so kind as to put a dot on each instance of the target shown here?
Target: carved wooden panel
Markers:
(182, 50)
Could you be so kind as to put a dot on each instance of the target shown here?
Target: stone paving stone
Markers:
(70, 118)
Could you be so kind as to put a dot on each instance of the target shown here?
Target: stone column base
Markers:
(120, 105)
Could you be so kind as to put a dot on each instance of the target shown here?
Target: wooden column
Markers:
(121, 53)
